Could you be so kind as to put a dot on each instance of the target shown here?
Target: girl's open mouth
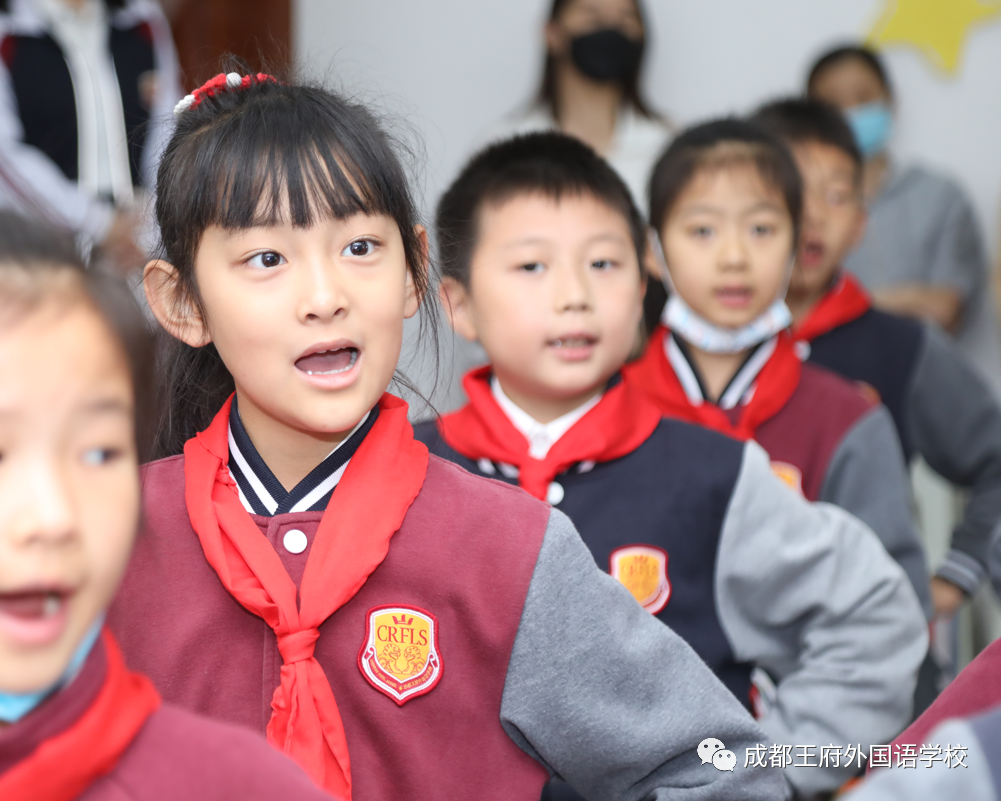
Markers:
(735, 296)
(328, 362)
(34, 617)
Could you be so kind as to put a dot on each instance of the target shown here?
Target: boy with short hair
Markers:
(541, 250)
(942, 409)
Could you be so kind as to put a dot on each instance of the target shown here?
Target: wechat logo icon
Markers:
(713, 750)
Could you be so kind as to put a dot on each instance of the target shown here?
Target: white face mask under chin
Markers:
(684, 321)
(681, 319)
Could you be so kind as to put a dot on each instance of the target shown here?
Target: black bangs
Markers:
(274, 154)
(254, 176)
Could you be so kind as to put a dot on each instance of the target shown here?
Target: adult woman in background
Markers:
(590, 87)
(86, 91)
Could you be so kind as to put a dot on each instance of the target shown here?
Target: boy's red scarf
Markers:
(621, 421)
(775, 384)
(847, 300)
(62, 767)
(381, 481)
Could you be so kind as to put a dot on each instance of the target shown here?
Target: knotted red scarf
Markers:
(62, 767)
(621, 421)
(381, 481)
(775, 384)
(847, 300)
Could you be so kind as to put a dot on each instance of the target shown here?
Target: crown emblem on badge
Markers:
(400, 656)
(643, 571)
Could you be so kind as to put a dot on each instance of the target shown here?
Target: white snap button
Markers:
(555, 493)
(294, 541)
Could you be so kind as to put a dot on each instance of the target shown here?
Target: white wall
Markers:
(451, 67)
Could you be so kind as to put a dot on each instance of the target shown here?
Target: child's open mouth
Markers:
(34, 617)
(328, 362)
(734, 297)
(811, 254)
(574, 346)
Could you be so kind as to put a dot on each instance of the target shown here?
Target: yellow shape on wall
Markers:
(936, 27)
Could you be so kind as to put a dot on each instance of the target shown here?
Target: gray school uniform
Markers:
(942, 410)
(760, 577)
(923, 229)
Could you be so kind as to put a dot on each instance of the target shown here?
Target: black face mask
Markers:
(607, 55)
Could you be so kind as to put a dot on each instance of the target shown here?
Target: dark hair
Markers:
(265, 154)
(799, 121)
(547, 89)
(836, 55)
(721, 144)
(39, 263)
(551, 164)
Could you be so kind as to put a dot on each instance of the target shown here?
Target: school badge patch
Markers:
(643, 571)
(400, 657)
(789, 474)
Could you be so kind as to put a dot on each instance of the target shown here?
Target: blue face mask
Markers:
(872, 124)
(14, 706)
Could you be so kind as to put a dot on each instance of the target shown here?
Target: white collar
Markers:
(541, 436)
(740, 390)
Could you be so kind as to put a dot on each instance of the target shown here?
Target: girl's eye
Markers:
(701, 231)
(603, 264)
(99, 456)
(267, 260)
(360, 247)
(533, 267)
(762, 229)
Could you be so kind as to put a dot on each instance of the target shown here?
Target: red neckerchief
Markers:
(775, 384)
(381, 481)
(847, 300)
(621, 421)
(62, 767)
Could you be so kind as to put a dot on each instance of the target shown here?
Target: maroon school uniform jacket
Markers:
(176, 755)
(976, 689)
(530, 636)
(825, 437)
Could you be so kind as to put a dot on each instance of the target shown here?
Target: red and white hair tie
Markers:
(219, 83)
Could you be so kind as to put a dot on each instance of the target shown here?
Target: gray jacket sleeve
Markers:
(955, 424)
(868, 477)
(610, 699)
(807, 593)
(933, 780)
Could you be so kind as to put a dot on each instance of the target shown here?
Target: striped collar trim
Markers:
(738, 392)
(261, 493)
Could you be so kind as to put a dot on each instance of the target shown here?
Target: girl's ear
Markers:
(412, 300)
(171, 305)
(455, 298)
